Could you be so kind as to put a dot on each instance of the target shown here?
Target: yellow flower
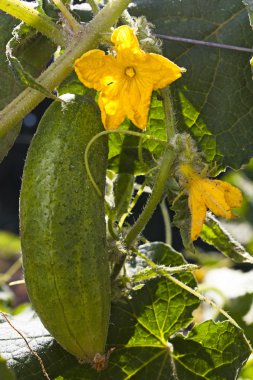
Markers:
(125, 80)
(218, 196)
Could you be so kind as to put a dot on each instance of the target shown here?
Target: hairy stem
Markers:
(75, 26)
(154, 199)
(94, 6)
(34, 18)
(85, 40)
(170, 120)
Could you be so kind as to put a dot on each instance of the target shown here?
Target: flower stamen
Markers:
(130, 72)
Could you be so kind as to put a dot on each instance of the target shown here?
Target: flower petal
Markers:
(124, 38)
(97, 70)
(137, 97)
(233, 196)
(160, 70)
(198, 211)
(112, 107)
(213, 196)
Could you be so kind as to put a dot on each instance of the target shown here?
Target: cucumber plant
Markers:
(106, 298)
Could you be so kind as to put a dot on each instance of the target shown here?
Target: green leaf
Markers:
(139, 328)
(34, 52)
(5, 372)
(215, 234)
(145, 337)
(142, 325)
(211, 350)
(71, 85)
(9, 87)
(214, 99)
(18, 356)
(26, 34)
(134, 155)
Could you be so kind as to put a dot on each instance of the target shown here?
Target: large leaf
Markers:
(214, 351)
(145, 333)
(9, 87)
(139, 324)
(214, 99)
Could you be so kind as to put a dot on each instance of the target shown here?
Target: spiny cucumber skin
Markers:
(63, 232)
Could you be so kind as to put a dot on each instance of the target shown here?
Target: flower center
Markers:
(130, 72)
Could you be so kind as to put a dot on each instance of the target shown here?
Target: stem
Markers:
(154, 199)
(170, 119)
(118, 266)
(166, 221)
(94, 6)
(75, 26)
(87, 39)
(202, 298)
(111, 230)
(162, 175)
(10, 272)
(34, 18)
(132, 204)
(86, 154)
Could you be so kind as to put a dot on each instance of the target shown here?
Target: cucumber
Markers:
(63, 231)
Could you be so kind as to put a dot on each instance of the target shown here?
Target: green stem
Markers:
(132, 204)
(111, 230)
(162, 175)
(87, 39)
(94, 6)
(10, 272)
(86, 154)
(154, 199)
(75, 26)
(166, 221)
(34, 18)
(202, 298)
(170, 119)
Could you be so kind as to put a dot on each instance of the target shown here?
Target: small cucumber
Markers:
(63, 232)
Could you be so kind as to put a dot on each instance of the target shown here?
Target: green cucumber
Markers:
(63, 232)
